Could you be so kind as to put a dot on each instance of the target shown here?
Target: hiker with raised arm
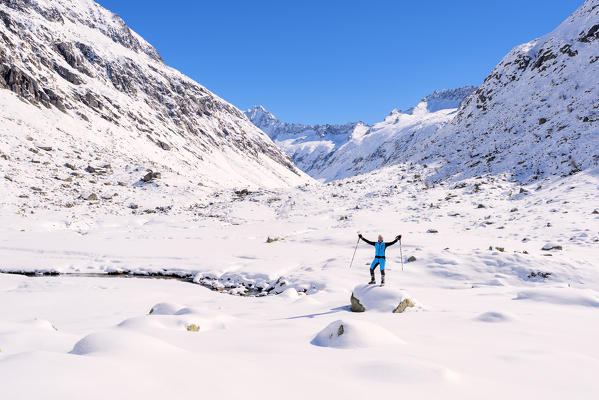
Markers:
(379, 256)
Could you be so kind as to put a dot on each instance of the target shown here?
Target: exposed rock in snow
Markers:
(552, 246)
(384, 299)
(347, 334)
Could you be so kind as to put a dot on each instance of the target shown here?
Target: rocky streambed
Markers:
(236, 285)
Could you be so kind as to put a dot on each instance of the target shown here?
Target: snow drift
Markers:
(347, 334)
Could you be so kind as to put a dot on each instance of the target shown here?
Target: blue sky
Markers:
(337, 61)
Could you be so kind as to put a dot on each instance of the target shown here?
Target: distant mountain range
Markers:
(329, 152)
(536, 115)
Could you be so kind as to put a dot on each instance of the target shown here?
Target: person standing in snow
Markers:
(379, 256)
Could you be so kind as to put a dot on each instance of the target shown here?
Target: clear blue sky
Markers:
(337, 61)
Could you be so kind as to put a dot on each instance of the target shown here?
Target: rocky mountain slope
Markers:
(86, 103)
(329, 152)
(536, 114)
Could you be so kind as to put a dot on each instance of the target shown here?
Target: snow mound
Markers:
(346, 334)
(561, 297)
(493, 316)
(384, 299)
(121, 342)
(174, 317)
(165, 309)
(38, 324)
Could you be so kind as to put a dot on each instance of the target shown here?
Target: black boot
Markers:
(372, 281)
(382, 277)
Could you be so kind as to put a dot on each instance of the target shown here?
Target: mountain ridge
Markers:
(535, 115)
(333, 151)
(78, 80)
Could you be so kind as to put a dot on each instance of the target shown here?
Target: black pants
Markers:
(372, 272)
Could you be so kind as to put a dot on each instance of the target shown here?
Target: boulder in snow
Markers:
(384, 299)
(150, 176)
(164, 146)
(552, 246)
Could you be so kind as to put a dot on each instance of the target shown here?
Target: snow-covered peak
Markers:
(442, 100)
(447, 98)
(261, 117)
(259, 113)
(337, 151)
(277, 129)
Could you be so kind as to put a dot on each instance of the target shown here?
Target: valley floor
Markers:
(485, 326)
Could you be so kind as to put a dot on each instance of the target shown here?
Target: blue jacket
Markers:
(380, 247)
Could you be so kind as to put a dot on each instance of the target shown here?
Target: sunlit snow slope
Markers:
(79, 86)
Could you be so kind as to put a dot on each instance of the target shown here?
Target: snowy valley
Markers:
(329, 152)
(155, 243)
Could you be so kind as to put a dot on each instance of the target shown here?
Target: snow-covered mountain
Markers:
(80, 88)
(309, 146)
(536, 114)
(329, 152)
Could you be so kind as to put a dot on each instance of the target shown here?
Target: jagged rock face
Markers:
(83, 61)
(330, 152)
(536, 114)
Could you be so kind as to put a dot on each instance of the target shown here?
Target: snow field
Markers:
(486, 321)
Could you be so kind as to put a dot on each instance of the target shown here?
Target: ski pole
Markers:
(401, 254)
(352, 258)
